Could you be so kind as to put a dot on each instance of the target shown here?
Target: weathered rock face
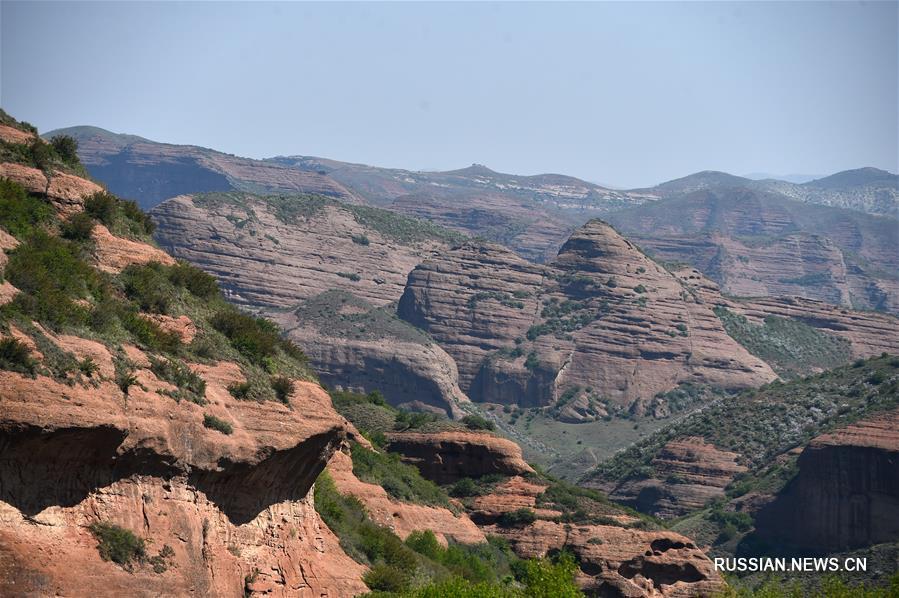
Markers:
(445, 457)
(617, 561)
(601, 316)
(73, 455)
(755, 243)
(113, 254)
(414, 375)
(474, 300)
(689, 473)
(264, 260)
(869, 333)
(65, 191)
(847, 490)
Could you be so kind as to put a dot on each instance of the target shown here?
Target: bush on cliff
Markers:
(15, 357)
(118, 544)
(401, 481)
(20, 213)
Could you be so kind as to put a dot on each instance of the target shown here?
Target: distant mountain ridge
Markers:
(864, 189)
(533, 215)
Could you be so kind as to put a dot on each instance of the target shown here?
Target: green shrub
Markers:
(88, 367)
(119, 215)
(517, 518)
(361, 240)
(409, 420)
(386, 578)
(240, 390)
(255, 338)
(214, 423)
(197, 282)
(20, 213)
(15, 357)
(148, 286)
(66, 147)
(190, 386)
(532, 362)
(401, 481)
(476, 422)
(425, 542)
(639, 289)
(51, 275)
(124, 375)
(118, 544)
(77, 228)
(283, 387)
(465, 487)
(102, 206)
(147, 332)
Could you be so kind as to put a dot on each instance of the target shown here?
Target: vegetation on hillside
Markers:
(59, 154)
(420, 566)
(342, 314)
(61, 288)
(291, 209)
(762, 423)
(790, 347)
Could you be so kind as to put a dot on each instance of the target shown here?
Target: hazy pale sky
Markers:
(622, 93)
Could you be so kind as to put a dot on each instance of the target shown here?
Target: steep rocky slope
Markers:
(129, 464)
(330, 271)
(602, 317)
(617, 552)
(755, 243)
(278, 251)
(847, 487)
(150, 172)
(743, 450)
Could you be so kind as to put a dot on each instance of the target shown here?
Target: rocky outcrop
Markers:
(65, 191)
(264, 259)
(601, 316)
(618, 561)
(445, 457)
(847, 491)
(689, 473)
(512, 494)
(402, 518)
(14, 135)
(868, 333)
(755, 243)
(474, 300)
(419, 376)
(113, 254)
(235, 510)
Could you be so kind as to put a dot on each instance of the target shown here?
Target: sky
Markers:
(627, 94)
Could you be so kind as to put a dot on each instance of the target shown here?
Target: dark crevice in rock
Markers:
(40, 468)
(660, 573)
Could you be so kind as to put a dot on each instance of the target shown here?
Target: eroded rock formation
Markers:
(233, 509)
(445, 457)
(847, 491)
(689, 473)
(601, 316)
